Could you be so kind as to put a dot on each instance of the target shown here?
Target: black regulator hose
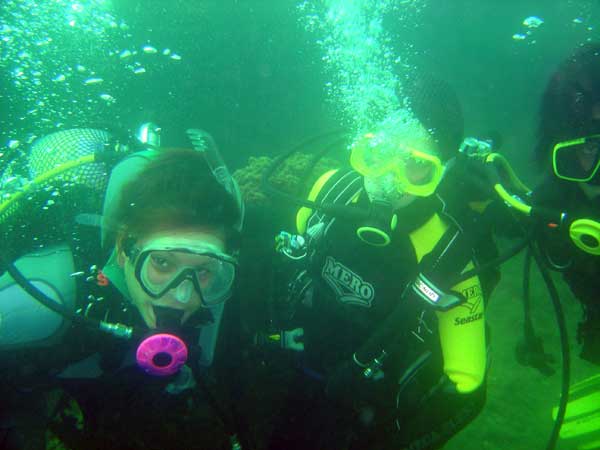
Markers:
(564, 344)
(498, 261)
(526, 297)
(42, 298)
(530, 350)
(268, 187)
(349, 213)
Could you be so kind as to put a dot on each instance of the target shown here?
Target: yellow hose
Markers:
(516, 184)
(512, 176)
(43, 178)
(517, 204)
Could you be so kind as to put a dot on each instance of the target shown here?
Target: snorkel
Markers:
(165, 348)
(204, 143)
(173, 291)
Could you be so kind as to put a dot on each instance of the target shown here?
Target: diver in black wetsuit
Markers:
(568, 148)
(393, 353)
(172, 227)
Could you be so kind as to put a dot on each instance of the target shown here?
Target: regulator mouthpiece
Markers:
(161, 354)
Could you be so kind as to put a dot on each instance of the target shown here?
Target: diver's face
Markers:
(160, 264)
(388, 187)
(416, 172)
(384, 188)
(587, 156)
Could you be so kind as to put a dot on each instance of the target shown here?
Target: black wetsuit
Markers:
(580, 270)
(355, 287)
(122, 406)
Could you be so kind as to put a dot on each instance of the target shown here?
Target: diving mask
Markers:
(415, 172)
(577, 159)
(178, 269)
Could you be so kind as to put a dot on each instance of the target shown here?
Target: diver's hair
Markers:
(435, 104)
(566, 111)
(175, 190)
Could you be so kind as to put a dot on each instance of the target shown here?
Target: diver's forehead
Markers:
(183, 258)
(187, 238)
(407, 135)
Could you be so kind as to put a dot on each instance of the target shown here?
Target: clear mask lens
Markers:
(181, 275)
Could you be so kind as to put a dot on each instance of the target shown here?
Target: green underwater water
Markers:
(253, 73)
(520, 399)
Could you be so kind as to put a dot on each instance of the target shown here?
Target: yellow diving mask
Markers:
(415, 172)
(577, 159)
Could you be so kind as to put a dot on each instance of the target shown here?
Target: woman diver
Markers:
(394, 347)
(568, 147)
(129, 337)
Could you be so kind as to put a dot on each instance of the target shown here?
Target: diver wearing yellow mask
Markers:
(394, 350)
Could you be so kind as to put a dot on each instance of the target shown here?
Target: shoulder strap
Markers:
(340, 186)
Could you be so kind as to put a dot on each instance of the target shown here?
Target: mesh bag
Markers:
(58, 148)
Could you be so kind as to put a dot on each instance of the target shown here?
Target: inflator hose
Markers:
(498, 261)
(268, 187)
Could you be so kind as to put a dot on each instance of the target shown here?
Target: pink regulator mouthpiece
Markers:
(161, 354)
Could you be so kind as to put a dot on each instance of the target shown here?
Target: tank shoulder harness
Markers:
(449, 255)
(339, 186)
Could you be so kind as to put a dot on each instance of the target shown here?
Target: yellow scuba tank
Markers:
(462, 328)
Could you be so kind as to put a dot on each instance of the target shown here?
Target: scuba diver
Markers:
(568, 142)
(391, 345)
(568, 150)
(133, 342)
